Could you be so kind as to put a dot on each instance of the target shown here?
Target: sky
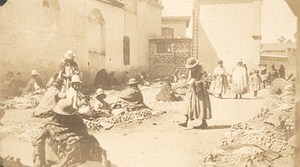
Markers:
(277, 19)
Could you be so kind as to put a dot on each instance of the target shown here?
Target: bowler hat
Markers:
(34, 72)
(132, 81)
(100, 92)
(64, 107)
(75, 79)
(191, 62)
(69, 55)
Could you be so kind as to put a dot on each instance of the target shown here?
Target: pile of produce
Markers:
(123, 117)
(262, 139)
(22, 102)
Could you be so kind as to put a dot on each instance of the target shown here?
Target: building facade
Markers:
(175, 26)
(229, 30)
(109, 34)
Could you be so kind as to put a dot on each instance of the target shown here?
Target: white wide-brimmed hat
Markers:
(64, 107)
(132, 81)
(70, 55)
(76, 79)
(34, 72)
(100, 92)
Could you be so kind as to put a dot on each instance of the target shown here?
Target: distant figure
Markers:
(67, 137)
(274, 73)
(35, 84)
(50, 99)
(256, 82)
(99, 107)
(73, 93)
(281, 71)
(142, 79)
(181, 85)
(2, 113)
(102, 80)
(113, 81)
(132, 97)
(51, 80)
(166, 93)
(176, 75)
(219, 85)
(197, 97)
(68, 68)
(263, 74)
(239, 80)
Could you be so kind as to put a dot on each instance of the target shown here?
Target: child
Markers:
(256, 82)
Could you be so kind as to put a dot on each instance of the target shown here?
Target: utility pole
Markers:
(195, 34)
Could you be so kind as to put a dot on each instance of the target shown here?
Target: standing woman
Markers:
(198, 102)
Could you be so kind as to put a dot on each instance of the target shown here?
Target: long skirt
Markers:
(198, 105)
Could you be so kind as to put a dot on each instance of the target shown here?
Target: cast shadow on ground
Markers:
(218, 127)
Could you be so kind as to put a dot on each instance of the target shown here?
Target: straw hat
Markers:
(100, 92)
(132, 81)
(167, 79)
(64, 107)
(69, 55)
(192, 62)
(76, 79)
(34, 72)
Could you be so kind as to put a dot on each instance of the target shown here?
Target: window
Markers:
(126, 50)
(168, 32)
(163, 47)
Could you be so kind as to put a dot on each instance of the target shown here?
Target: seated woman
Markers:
(132, 98)
(35, 84)
(73, 93)
(49, 100)
(67, 138)
(166, 93)
(181, 86)
(98, 106)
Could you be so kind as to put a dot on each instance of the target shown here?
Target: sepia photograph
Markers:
(149, 83)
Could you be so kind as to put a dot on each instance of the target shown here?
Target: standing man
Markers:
(239, 80)
(220, 80)
(281, 71)
(274, 73)
(198, 102)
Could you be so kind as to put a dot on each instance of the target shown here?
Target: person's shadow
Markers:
(218, 127)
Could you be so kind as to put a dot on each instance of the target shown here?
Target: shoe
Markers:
(202, 126)
(183, 124)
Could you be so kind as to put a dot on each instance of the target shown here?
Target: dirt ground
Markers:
(157, 141)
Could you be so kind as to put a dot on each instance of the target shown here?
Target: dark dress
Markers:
(166, 93)
(198, 101)
(102, 80)
(67, 137)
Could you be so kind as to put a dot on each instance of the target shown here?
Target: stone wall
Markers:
(165, 63)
